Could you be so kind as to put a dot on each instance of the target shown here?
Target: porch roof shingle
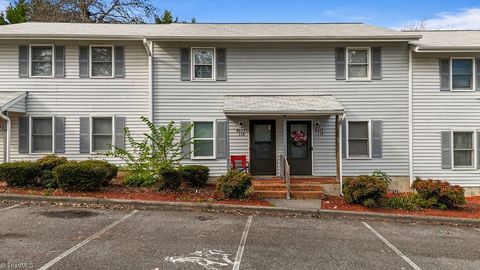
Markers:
(282, 105)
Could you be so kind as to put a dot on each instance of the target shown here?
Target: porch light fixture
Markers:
(241, 128)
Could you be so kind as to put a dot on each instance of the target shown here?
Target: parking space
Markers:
(74, 238)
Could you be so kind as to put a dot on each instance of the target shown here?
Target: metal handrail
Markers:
(285, 173)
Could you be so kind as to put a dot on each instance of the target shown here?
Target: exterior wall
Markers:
(2, 146)
(74, 97)
(292, 69)
(435, 111)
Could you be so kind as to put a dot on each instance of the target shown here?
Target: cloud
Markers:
(463, 20)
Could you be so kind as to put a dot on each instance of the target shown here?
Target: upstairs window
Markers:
(101, 61)
(203, 63)
(41, 60)
(358, 61)
(462, 73)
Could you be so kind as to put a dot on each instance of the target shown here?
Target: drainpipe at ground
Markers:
(7, 141)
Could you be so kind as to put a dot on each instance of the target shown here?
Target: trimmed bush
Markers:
(439, 194)
(364, 189)
(170, 179)
(20, 173)
(111, 169)
(235, 184)
(134, 179)
(195, 175)
(79, 176)
(49, 162)
(47, 180)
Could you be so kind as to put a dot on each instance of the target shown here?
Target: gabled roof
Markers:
(282, 105)
(14, 100)
(447, 40)
(199, 31)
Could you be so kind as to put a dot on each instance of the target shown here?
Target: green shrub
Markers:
(195, 175)
(410, 201)
(20, 173)
(134, 179)
(49, 162)
(170, 179)
(382, 176)
(364, 189)
(111, 169)
(47, 180)
(439, 194)
(235, 184)
(79, 176)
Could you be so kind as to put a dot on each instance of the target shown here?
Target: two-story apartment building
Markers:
(331, 99)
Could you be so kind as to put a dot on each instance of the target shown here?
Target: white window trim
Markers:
(91, 132)
(30, 134)
(474, 152)
(474, 83)
(214, 64)
(369, 139)
(91, 59)
(30, 66)
(192, 155)
(369, 63)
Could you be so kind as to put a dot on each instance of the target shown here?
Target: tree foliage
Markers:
(16, 12)
(167, 18)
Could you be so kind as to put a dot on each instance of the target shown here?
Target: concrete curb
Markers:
(267, 210)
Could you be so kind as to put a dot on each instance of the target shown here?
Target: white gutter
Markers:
(7, 142)
(410, 114)
(149, 49)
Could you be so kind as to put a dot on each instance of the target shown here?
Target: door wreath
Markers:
(299, 138)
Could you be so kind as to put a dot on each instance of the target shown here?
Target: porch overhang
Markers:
(13, 101)
(282, 105)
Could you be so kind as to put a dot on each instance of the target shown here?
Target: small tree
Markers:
(161, 148)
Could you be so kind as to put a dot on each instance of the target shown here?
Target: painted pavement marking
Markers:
(10, 207)
(241, 247)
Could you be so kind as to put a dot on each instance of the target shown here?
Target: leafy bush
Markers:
(439, 194)
(139, 180)
(382, 176)
(170, 179)
(195, 175)
(111, 169)
(410, 201)
(79, 176)
(235, 184)
(47, 180)
(49, 162)
(20, 173)
(364, 189)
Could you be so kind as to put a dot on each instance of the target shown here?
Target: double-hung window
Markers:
(203, 139)
(41, 61)
(203, 64)
(42, 135)
(358, 136)
(463, 149)
(102, 134)
(462, 70)
(358, 63)
(101, 61)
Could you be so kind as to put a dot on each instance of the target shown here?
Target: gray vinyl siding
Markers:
(435, 111)
(2, 145)
(74, 97)
(292, 69)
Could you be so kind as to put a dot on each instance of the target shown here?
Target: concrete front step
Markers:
(296, 187)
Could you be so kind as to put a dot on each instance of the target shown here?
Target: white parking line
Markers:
(241, 247)
(10, 207)
(392, 247)
(84, 242)
(476, 229)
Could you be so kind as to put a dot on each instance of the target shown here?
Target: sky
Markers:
(437, 14)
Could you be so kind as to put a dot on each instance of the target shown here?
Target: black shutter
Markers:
(23, 59)
(59, 134)
(119, 62)
(120, 132)
(376, 63)
(187, 148)
(344, 138)
(59, 61)
(376, 138)
(222, 138)
(23, 134)
(85, 135)
(221, 64)
(477, 75)
(185, 74)
(340, 64)
(444, 68)
(446, 146)
(84, 62)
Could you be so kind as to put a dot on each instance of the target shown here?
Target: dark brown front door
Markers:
(299, 147)
(262, 147)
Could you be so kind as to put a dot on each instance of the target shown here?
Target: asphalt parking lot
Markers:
(47, 237)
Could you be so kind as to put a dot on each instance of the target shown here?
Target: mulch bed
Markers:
(184, 194)
(470, 210)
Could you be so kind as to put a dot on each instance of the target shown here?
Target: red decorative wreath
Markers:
(299, 137)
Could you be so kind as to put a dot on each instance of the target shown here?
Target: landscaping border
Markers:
(241, 209)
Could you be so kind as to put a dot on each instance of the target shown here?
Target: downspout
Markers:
(149, 49)
(410, 114)
(340, 149)
(7, 142)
